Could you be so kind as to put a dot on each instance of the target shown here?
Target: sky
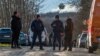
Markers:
(52, 6)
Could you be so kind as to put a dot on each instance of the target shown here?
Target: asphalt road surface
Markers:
(7, 51)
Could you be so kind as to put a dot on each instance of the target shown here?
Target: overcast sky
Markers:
(52, 6)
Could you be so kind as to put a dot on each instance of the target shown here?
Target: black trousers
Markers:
(15, 39)
(68, 43)
(57, 37)
(35, 36)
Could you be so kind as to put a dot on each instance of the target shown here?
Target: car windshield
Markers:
(84, 37)
(5, 30)
(21, 34)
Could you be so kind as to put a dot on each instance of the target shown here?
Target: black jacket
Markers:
(37, 26)
(69, 28)
(16, 24)
(57, 26)
(68, 31)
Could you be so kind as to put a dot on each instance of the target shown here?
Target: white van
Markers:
(44, 36)
(82, 40)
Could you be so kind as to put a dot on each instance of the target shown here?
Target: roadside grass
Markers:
(4, 45)
(98, 51)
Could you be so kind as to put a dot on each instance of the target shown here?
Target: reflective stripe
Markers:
(90, 26)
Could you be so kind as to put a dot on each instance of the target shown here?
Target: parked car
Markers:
(26, 36)
(44, 37)
(82, 40)
(51, 39)
(22, 39)
(51, 35)
(5, 36)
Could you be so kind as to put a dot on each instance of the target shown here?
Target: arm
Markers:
(42, 26)
(62, 27)
(13, 25)
(72, 27)
(32, 26)
(53, 24)
(65, 28)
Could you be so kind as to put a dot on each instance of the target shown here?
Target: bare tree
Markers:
(27, 9)
(83, 14)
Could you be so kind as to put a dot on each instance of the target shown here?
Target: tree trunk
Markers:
(82, 15)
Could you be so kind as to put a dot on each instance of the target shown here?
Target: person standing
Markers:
(68, 34)
(57, 26)
(16, 27)
(37, 28)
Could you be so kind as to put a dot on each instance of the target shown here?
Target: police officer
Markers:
(57, 26)
(68, 34)
(16, 28)
(37, 27)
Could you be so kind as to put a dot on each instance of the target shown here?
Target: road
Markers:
(6, 51)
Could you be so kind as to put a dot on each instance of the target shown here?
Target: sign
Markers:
(98, 4)
(98, 38)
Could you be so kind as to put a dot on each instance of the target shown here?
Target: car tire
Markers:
(90, 50)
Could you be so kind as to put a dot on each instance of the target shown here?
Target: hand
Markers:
(62, 34)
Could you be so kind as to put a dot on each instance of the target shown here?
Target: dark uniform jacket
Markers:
(16, 24)
(57, 26)
(37, 26)
(69, 31)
